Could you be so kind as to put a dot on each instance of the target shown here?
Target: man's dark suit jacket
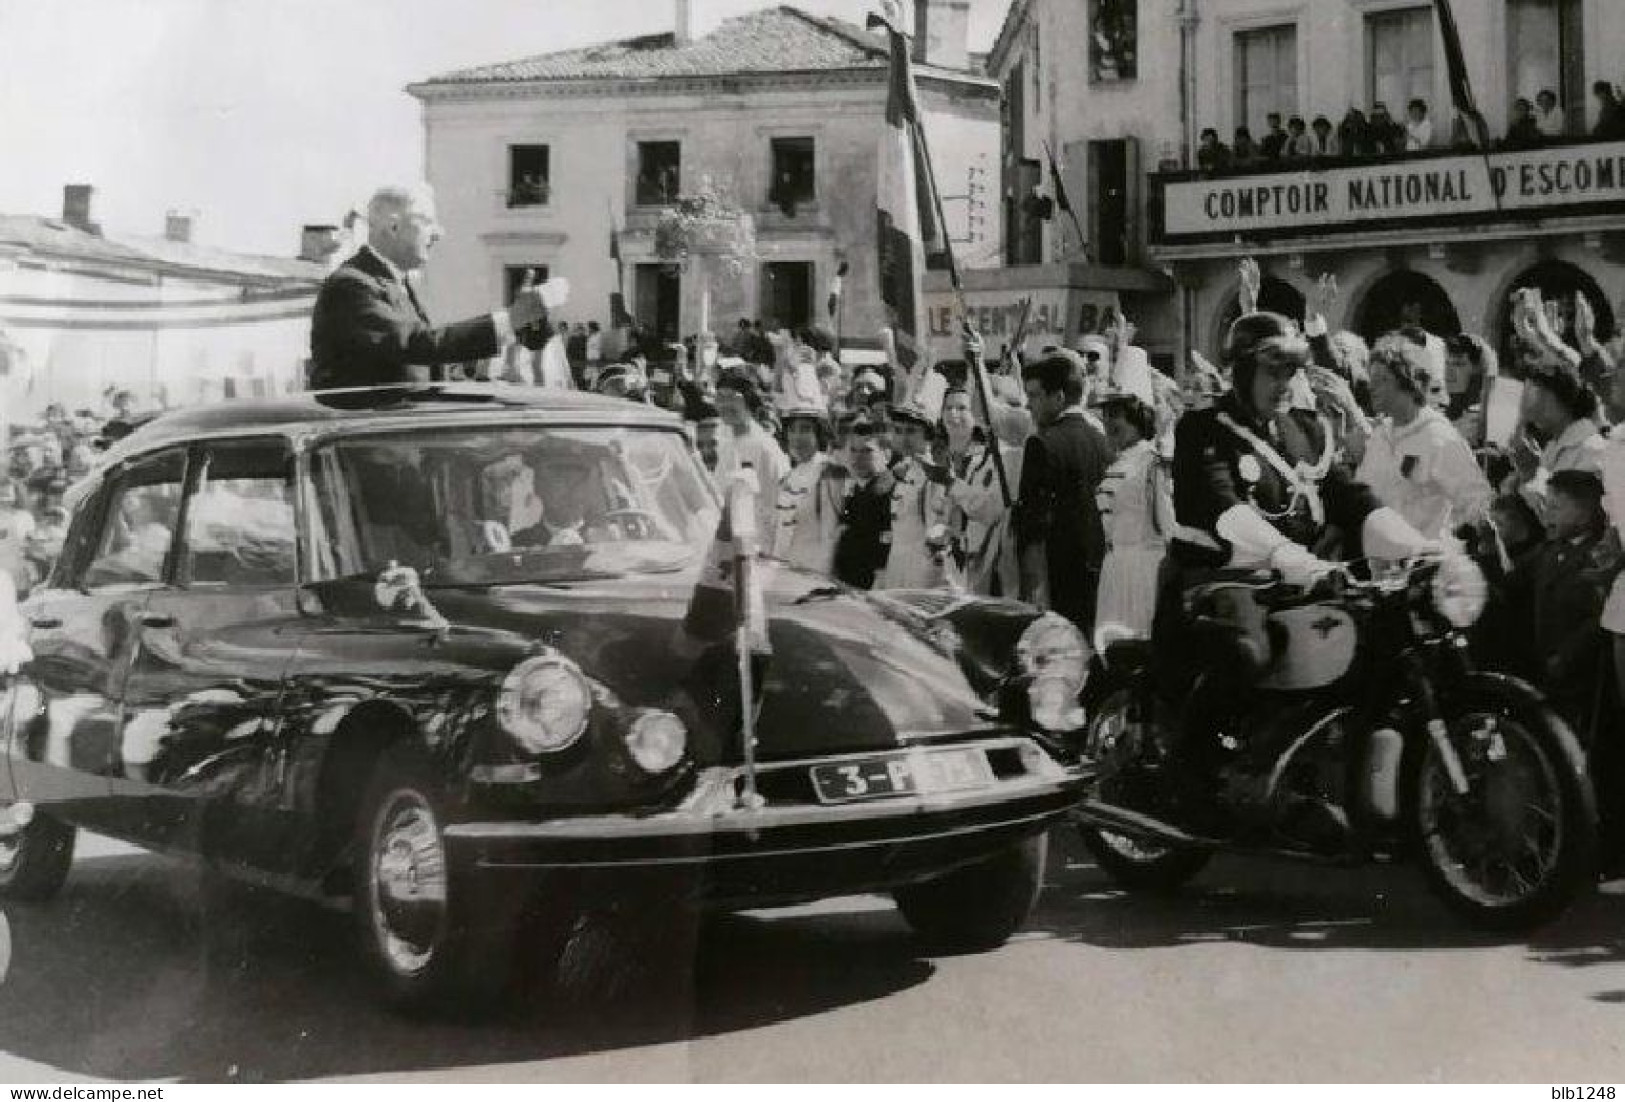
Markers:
(1064, 464)
(369, 330)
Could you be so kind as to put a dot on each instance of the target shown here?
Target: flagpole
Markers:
(1054, 170)
(976, 369)
(742, 508)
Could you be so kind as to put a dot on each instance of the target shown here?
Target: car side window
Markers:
(240, 526)
(138, 524)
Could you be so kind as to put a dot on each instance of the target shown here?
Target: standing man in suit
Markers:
(369, 326)
(1057, 521)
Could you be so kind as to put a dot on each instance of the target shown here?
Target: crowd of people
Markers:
(1079, 474)
(1535, 121)
(45, 459)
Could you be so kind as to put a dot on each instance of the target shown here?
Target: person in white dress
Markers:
(1416, 460)
(1136, 510)
(811, 495)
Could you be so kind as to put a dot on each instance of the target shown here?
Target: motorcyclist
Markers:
(1257, 484)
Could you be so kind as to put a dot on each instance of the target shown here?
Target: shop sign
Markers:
(1570, 178)
(1059, 315)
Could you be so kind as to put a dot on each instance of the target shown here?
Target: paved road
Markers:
(1261, 972)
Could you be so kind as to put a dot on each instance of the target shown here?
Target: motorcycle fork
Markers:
(1427, 701)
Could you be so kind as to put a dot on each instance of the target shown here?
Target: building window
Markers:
(794, 174)
(1114, 27)
(513, 277)
(1266, 76)
(660, 173)
(1399, 58)
(529, 175)
(787, 294)
(1114, 172)
(1545, 53)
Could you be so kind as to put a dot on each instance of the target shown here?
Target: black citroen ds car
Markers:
(430, 653)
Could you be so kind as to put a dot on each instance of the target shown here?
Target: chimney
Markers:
(684, 30)
(76, 207)
(318, 244)
(942, 33)
(178, 227)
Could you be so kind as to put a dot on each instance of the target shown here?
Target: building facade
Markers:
(84, 312)
(537, 163)
(1090, 108)
(1435, 233)
(1444, 233)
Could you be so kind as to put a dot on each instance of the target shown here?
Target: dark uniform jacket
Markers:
(1062, 468)
(369, 329)
(864, 543)
(1216, 469)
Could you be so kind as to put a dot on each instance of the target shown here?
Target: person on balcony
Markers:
(1243, 151)
(1418, 127)
(1549, 117)
(1212, 155)
(1323, 143)
(1384, 134)
(1524, 131)
(1610, 113)
(1274, 144)
(1354, 134)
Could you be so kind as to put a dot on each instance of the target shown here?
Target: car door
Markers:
(83, 628)
(198, 758)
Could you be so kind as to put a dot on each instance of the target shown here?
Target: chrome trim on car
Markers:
(713, 807)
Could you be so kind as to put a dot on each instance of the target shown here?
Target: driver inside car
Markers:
(1258, 485)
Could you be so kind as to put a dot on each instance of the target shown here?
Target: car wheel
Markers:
(35, 859)
(435, 936)
(979, 906)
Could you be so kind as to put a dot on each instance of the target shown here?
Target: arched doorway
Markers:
(1403, 298)
(1276, 296)
(1557, 282)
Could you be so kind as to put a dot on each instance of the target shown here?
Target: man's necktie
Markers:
(411, 293)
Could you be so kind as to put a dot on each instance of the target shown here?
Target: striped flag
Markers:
(1461, 87)
(908, 229)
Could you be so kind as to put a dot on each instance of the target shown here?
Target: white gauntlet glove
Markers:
(1299, 566)
(1387, 535)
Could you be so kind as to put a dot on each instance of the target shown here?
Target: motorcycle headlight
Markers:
(1054, 656)
(656, 741)
(544, 704)
(1460, 591)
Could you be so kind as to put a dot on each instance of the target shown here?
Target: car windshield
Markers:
(509, 505)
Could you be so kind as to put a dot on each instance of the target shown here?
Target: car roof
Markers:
(334, 411)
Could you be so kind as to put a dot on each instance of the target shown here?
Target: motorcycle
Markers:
(1367, 734)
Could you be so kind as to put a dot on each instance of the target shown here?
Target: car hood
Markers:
(848, 671)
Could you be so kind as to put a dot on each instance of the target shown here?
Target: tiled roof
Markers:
(773, 40)
(61, 241)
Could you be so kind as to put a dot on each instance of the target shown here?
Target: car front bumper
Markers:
(734, 852)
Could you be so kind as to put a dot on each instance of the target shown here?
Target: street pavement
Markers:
(1258, 972)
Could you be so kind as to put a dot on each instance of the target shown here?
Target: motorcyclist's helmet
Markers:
(1263, 339)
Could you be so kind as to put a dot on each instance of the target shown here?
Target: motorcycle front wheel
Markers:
(1150, 867)
(1518, 847)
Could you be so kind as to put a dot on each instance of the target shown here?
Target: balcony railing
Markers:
(1335, 196)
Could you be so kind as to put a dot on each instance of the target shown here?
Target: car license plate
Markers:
(901, 775)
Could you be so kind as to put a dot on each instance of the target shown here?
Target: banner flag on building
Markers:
(1461, 88)
(907, 230)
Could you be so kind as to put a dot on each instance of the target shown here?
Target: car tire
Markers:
(977, 907)
(34, 862)
(437, 938)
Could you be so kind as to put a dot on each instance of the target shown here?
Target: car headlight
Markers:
(544, 704)
(656, 741)
(1460, 591)
(1054, 656)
